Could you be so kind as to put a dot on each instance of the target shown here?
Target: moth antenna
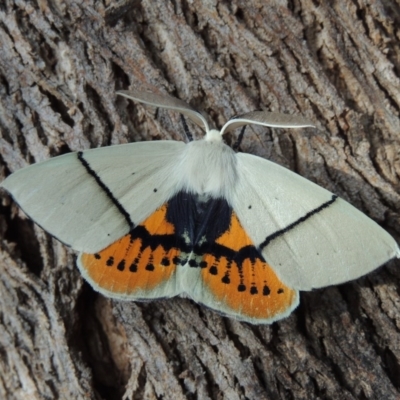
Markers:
(265, 118)
(186, 128)
(167, 102)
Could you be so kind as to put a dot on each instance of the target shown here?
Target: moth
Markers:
(229, 230)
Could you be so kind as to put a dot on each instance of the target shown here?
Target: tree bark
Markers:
(336, 63)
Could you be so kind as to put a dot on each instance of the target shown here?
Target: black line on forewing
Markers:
(106, 190)
(311, 213)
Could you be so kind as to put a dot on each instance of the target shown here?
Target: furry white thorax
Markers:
(208, 166)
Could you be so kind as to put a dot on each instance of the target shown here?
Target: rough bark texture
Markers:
(336, 63)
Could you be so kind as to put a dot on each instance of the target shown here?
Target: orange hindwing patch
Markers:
(240, 279)
(140, 260)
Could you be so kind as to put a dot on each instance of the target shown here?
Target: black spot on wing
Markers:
(110, 262)
(133, 267)
(266, 290)
(165, 262)
(121, 265)
(213, 270)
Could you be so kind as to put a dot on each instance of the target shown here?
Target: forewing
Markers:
(88, 200)
(310, 237)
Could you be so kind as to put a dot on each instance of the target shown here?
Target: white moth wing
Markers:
(66, 200)
(308, 236)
